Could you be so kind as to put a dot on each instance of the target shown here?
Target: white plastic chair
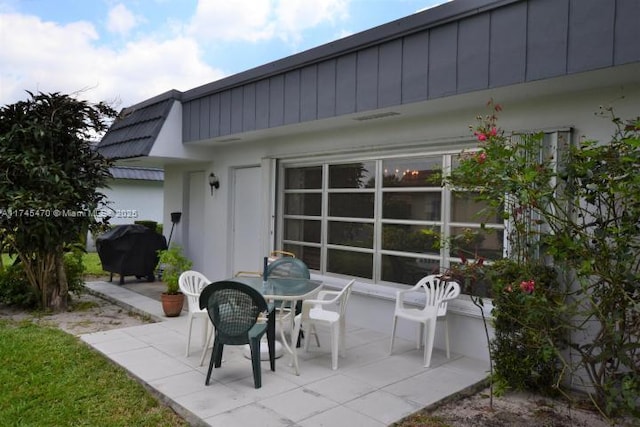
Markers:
(314, 313)
(191, 284)
(437, 292)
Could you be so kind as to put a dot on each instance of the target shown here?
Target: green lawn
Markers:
(91, 261)
(51, 378)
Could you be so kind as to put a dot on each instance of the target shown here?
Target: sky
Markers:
(124, 52)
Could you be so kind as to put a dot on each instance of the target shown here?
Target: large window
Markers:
(383, 219)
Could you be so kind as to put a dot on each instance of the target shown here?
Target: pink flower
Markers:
(508, 289)
(482, 157)
(493, 131)
(481, 137)
(528, 286)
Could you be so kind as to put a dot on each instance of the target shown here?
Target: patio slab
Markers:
(369, 388)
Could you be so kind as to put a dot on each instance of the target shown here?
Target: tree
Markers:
(49, 184)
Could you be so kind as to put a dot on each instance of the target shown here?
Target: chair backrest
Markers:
(438, 291)
(343, 297)
(233, 308)
(191, 284)
(288, 267)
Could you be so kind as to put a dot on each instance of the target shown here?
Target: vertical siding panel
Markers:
(508, 45)
(214, 115)
(390, 74)
(249, 107)
(262, 104)
(204, 117)
(236, 109)
(547, 34)
(186, 111)
(194, 120)
(309, 93)
(225, 112)
(443, 53)
(292, 97)
(415, 64)
(473, 53)
(346, 84)
(276, 101)
(590, 34)
(327, 89)
(627, 32)
(367, 79)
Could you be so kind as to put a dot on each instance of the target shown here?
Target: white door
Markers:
(247, 220)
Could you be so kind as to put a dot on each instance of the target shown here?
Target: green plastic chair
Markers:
(234, 309)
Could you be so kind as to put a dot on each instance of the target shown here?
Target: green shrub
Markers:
(15, 289)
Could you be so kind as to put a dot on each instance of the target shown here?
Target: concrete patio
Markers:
(370, 387)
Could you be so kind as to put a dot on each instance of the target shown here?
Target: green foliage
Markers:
(173, 263)
(15, 288)
(529, 330)
(48, 188)
(56, 380)
(575, 207)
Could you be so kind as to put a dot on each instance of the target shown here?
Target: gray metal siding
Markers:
(346, 84)
(415, 67)
(547, 39)
(390, 74)
(367, 79)
(309, 93)
(473, 53)
(591, 36)
(501, 43)
(508, 47)
(627, 29)
(326, 89)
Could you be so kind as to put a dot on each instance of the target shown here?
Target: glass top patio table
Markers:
(287, 289)
(282, 288)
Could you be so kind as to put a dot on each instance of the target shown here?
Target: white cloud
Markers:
(48, 57)
(121, 20)
(257, 20)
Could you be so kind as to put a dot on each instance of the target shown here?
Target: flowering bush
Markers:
(576, 209)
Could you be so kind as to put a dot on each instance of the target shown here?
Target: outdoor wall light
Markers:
(214, 182)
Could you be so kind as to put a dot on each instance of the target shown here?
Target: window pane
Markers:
(479, 286)
(350, 263)
(418, 206)
(298, 178)
(303, 204)
(476, 242)
(358, 205)
(421, 172)
(465, 208)
(407, 270)
(302, 230)
(309, 255)
(352, 175)
(410, 238)
(351, 234)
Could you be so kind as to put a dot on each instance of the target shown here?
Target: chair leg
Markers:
(343, 333)
(429, 333)
(206, 345)
(446, 338)
(255, 362)
(217, 352)
(419, 332)
(211, 363)
(393, 333)
(271, 340)
(297, 322)
(335, 342)
(190, 321)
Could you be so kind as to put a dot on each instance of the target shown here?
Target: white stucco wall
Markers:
(443, 124)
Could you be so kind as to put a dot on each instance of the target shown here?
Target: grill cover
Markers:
(130, 250)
